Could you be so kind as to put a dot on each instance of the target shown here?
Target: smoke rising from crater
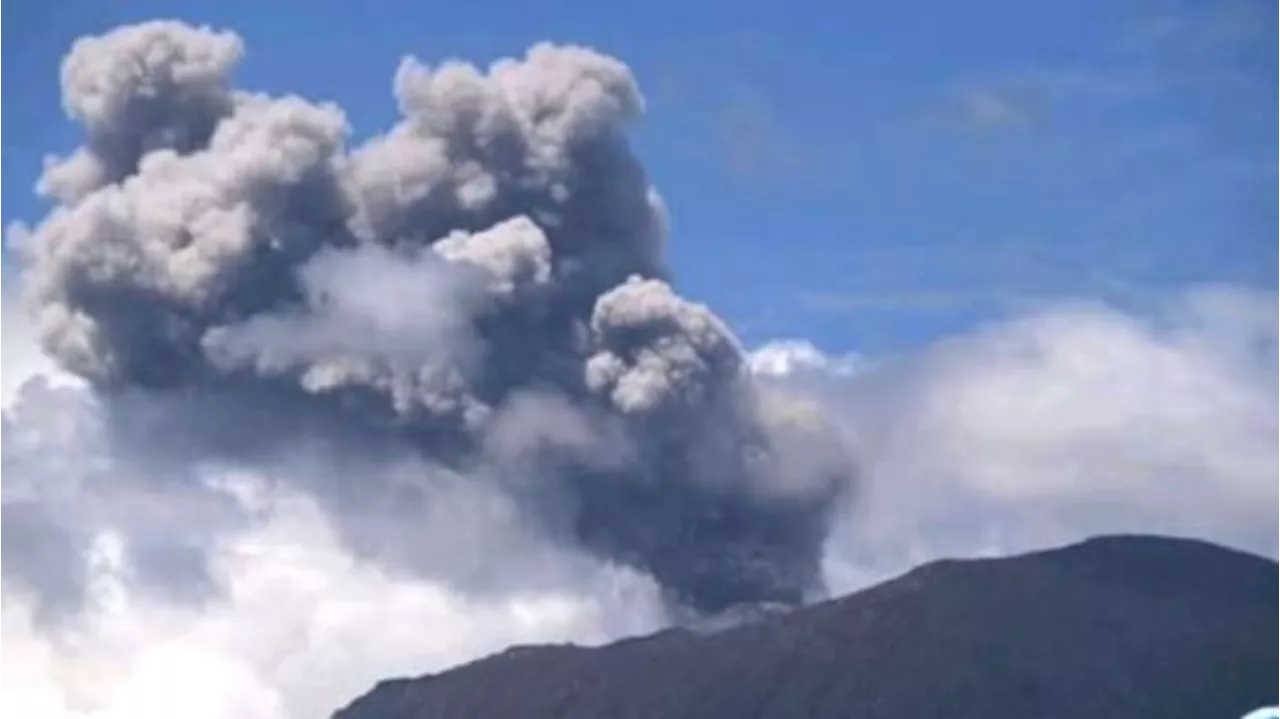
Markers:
(480, 289)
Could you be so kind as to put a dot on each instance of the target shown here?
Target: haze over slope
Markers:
(295, 392)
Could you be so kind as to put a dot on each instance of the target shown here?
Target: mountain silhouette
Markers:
(1123, 627)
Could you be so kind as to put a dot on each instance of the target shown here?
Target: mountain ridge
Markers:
(1121, 625)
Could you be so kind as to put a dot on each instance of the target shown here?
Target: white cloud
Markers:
(781, 358)
(992, 108)
(1072, 421)
(304, 627)
(22, 358)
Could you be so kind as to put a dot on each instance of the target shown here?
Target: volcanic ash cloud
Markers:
(481, 286)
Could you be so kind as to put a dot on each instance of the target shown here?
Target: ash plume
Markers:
(482, 286)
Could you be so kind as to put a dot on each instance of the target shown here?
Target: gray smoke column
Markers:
(484, 282)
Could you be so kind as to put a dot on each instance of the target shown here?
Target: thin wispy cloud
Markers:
(1230, 25)
(996, 109)
(754, 145)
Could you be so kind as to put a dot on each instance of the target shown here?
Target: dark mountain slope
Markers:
(1119, 627)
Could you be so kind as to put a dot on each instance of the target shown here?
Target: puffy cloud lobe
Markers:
(125, 281)
(497, 249)
(541, 137)
(141, 88)
(657, 350)
(514, 254)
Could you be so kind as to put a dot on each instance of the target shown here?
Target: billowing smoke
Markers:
(478, 292)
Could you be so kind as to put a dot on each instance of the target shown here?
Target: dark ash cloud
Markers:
(481, 287)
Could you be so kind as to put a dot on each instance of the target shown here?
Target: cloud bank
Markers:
(303, 415)
(1072, 420)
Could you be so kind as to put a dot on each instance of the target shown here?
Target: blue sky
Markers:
(871, 177)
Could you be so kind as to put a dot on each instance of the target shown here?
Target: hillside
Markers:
(1118, 627)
